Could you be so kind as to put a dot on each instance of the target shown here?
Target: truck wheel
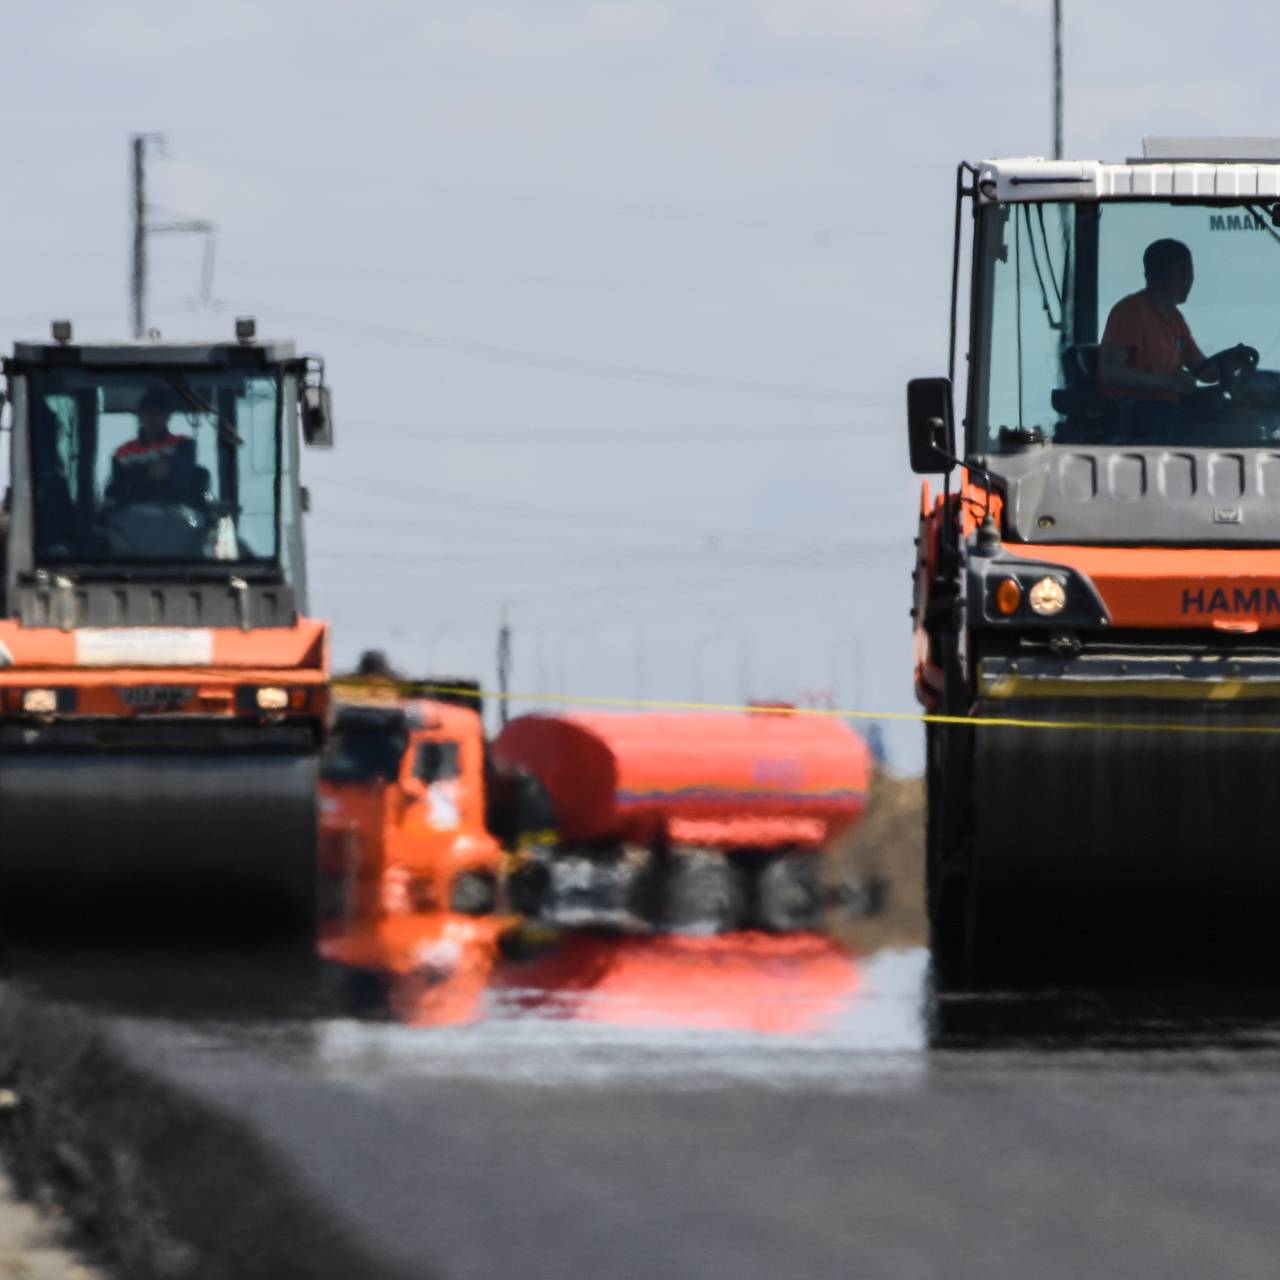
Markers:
(702, 892)
(528, 888)
(474, 893)
(789, 894)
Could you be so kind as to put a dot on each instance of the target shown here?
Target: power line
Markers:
(580, 365)
(487, 595)
(405, 275)
(523, 198)
(665, 434)
(445, 527)
(618, 562)
(425, 498)
(547, 554)
(700, 581)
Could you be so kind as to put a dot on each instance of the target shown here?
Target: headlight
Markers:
(40, 702)
(1048, 597)
(272, 699)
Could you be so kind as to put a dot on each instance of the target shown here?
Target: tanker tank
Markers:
(690, 822)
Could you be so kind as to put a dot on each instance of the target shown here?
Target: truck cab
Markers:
(403, 814)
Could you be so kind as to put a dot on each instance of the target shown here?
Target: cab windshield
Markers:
(173, 466)
(1065, 311)
(364, 749)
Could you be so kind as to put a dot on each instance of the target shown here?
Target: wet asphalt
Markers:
(787, 1114)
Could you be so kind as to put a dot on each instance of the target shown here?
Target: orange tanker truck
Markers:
(163, 692)
(1108, 560)
(692, 822)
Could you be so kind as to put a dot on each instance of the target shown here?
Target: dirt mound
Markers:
(888, 844)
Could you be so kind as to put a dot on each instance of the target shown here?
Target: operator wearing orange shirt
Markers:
(1147, 351)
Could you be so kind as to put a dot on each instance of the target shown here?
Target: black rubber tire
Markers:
(789, 894)
(702, 892)
(473, 893)
(528, 888)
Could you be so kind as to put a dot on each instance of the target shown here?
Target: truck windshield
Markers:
(1064, 314)
(364, 749)
(154, 465)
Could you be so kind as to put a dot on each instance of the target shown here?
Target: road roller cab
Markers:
(1108, 556)
(163, 692)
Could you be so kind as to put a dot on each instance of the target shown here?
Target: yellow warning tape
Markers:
(426, 689)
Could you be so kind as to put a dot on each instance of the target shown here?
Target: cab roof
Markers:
(1169, 168)
(114, 354)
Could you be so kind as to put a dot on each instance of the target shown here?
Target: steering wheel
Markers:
(1228, 366)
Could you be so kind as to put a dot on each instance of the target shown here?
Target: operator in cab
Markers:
(1147, 353)
(155, 466)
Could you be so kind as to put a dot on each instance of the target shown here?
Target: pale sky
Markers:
(618, 297)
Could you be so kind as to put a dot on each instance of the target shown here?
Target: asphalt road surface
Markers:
(758, 1114)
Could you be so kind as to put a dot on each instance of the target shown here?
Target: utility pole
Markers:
(504, 668)
(146, 224)
(138, 289)
(1057, 79)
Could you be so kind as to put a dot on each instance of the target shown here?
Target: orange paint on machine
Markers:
(403, 822)
(1174, 586)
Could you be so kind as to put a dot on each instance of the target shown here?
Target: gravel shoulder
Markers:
(154, 1178)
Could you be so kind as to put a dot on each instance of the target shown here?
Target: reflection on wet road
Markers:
(686, 1011)
(455, 995)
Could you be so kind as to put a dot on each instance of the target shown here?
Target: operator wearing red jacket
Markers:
(1147, 351)
(156, 466)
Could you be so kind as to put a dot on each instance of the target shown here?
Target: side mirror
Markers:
(931, 429)
(317, 417)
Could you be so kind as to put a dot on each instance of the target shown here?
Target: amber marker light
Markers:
(1008, 596)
